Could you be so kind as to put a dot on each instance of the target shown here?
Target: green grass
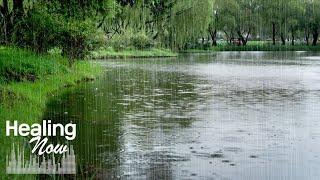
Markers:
(25, 100)
(132, 53)
(20, 65)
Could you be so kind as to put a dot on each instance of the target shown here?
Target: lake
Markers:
(224, 115)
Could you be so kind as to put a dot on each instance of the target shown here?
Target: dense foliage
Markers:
(78, 26)
(44, 25)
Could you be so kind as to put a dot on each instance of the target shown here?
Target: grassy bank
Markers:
(132, 53)
(27, 81)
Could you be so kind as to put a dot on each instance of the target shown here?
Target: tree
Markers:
(295, 12)
(274, 13)
(189, 20)
(313, 7)
(6, 23)
(246, 19)
(10, 19)
(217, 19)
(222, 18)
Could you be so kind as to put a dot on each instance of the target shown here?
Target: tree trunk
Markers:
(18, 13)
(229, 37)
(247, 37)
(243, 40)
(292, 38)
(7, 26)
(244, 43)
(283, 40)
(18, 8)
(213, 35)
(315, 37)
(274, 33)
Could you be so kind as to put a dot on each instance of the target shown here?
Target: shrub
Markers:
(36, 30)
(141, 41)
(121, 41)
(129, 39)
(40, 31)
(76, 39)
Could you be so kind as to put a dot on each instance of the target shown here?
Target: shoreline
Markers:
(132, 53)
(166, 53)
(26, 100)
(221, 48)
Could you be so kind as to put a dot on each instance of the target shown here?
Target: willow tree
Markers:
(271, 11)
(313, 7)
(296, 11)
(305, 20)
(221, 18)
(247, 18)
(189, 20)
(159, 24)
(281, 15)
(11, 14)
(136, 16)
(215, 22)
(81, 9)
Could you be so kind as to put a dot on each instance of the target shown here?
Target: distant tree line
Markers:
(275, 20)
(78, 26)
(177, 23)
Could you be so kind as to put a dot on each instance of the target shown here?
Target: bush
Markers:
(121, 41)
(141, 41)
(129, 39)
(36, 30)
(77, 38)
(40, 31)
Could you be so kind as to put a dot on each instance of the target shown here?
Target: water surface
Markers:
(226, 115)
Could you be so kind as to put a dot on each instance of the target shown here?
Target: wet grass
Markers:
(25, 99)
(20, 65)
(133, 53)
